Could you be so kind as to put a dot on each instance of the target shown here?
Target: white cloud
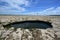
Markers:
(15, 4)
(49, 11)
(8, 10)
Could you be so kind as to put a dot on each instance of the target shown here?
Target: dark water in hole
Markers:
(31, 24)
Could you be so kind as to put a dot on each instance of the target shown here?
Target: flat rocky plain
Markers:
(27, 34)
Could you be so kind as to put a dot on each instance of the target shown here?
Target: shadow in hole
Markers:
(29, 24)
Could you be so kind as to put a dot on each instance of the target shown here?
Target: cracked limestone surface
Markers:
(29, 34)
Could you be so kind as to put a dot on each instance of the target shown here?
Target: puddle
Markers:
(30, 24)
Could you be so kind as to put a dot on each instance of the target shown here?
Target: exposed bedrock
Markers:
(30, 34)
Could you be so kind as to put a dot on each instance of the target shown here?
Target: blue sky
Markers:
(30, 7)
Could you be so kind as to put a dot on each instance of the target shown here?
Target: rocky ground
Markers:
(29, 34)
